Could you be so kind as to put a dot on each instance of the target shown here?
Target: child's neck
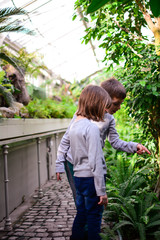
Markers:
(79, 117)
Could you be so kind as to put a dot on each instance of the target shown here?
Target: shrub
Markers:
(48, 108)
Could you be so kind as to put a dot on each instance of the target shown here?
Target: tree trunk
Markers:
(157, 187)
(157, 41)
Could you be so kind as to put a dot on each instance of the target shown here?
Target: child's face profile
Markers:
(116, 105)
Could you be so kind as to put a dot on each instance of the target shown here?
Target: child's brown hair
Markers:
(92, 103)
(114, 88)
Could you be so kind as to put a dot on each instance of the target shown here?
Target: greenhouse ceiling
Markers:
(57, 38)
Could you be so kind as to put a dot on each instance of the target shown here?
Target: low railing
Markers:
(5, 143)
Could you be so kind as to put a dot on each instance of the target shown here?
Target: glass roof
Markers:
(57, 38)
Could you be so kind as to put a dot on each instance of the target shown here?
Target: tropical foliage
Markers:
(8, 23)
(49, 108)
(133, 209)
(128, 31)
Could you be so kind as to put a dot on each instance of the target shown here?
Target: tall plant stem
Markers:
(157, 187)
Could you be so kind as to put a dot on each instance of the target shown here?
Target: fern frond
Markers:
(121, 224)
(120, 169)
(148, 202)
(153, 224)
(142, 232)
(155, 217)
(157, 235)
(131, 185)
(130, 210)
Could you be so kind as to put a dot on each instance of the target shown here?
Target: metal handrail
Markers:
(31, 136)
(4, 144)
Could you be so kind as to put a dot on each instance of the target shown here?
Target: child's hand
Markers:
(103, 200)
(142, 149)
(58, 176)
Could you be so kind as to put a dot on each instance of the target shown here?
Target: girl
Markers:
(88, 162)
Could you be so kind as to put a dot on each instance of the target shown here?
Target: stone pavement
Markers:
(49, 218)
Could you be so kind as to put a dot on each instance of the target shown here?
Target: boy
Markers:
(107, 130)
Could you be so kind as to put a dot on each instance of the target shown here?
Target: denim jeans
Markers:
(70, 177)
(88, 210)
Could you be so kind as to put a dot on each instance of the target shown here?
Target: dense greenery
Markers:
(130, 184)
(49, 108)
(129, 33)
(131, 179)
(141, 79)
(119, 27)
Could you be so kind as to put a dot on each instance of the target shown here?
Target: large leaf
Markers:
(155, 7)
(12, 26)
(121, 224)
(96, 4)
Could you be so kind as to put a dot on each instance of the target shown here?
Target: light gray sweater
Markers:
(107, 130)
(87, 154)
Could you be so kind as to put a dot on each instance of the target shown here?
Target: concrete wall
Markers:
(22, 157)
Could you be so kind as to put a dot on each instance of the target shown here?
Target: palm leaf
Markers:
(7, 12)
(5, 16)
(14, 28)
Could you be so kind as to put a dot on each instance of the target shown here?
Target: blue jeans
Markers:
(70, 177)
(88, 210)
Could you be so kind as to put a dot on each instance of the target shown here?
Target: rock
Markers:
(7, 112)
(16, 109)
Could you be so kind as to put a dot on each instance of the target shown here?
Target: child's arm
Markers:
(117, 143)
(96, 159)
(62, 151)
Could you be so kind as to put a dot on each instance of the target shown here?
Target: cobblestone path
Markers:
(50, 218)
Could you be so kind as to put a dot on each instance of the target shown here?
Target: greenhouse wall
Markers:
(32, 146)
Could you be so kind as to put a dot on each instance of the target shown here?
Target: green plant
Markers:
(118, 26)
(129, 179)
(6, 82)
(139, 213)
(8, 97)
(142, 214)
(108, 234)
(31, 62)
(49, 108)
(10, 24)
(141, 80)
